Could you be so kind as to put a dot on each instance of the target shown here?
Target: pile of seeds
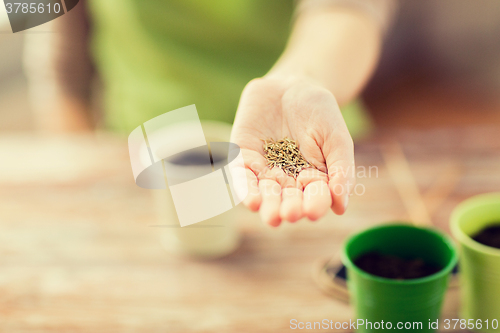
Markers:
(285, 155)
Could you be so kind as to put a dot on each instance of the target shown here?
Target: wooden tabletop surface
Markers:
(78, 253)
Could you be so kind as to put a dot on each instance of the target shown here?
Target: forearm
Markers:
(337, 47)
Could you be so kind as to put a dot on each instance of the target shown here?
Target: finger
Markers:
(253, 199)
(317, 200)
(254, 161)
(242, 181)
(310, 175)
(277, 175)
(341, 170)
(245, 171)
(269, 210)
(291, 205)
(341, 190)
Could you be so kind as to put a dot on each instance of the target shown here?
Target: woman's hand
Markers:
(276, 107)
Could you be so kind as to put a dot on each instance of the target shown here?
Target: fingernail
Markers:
(346, 201)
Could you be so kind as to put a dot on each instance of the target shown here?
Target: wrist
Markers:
(292, 77)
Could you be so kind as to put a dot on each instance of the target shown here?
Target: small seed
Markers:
(285, 154)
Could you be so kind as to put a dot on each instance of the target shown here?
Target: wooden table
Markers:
(78, 253)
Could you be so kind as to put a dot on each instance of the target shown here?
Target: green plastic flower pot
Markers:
(479, 264)
(402, 303)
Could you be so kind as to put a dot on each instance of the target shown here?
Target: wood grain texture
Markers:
(78, 253)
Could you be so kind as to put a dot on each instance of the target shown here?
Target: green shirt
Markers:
(155, 56)
(159, 55)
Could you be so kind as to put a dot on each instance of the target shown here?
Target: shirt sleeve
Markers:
(383, 11)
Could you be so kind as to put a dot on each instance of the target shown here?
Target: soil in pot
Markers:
(393, 267)
(489, 236)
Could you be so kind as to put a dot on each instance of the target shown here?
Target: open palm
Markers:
(275, 108)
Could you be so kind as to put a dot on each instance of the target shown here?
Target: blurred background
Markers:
(14, 105)
(79, 246)
(441, 53)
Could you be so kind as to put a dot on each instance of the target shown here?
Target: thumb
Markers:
(339, 156)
